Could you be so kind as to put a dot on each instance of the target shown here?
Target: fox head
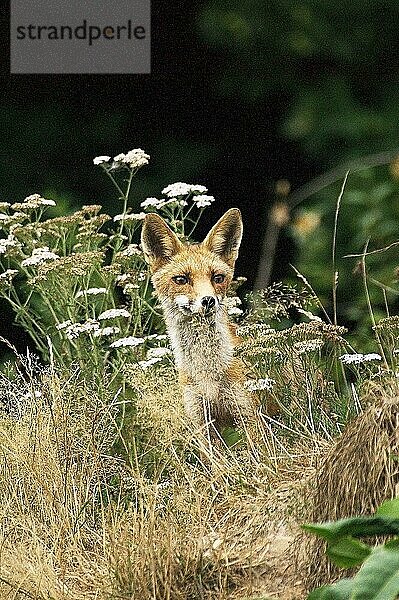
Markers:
(192, 279)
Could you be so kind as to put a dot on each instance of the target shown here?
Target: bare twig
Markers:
(372, 251)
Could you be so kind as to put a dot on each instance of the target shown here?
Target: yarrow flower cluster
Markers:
(8, 243)
(63, 325)
(114, 313)
(134, 159)
(9, 274)
(130, 217)
(149, 362)
(232, 304)
(356, 359)
(158, 352)
(99, 160)
(6, 278)
(74, 330)
(34, 201)
(256, 385)
(308, 345)
(254, 330)
(151, 202)
(203, 201)
(106, 331)
(183, 189)
(127, 341)
(177, 194)
(39, 255)
(91, 292)
(162, 202)
(131, 250)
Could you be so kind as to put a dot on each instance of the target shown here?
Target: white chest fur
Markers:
(203, 348)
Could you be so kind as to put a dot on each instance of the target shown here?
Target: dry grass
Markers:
(84, 516)
(357, 473)
(155, 514)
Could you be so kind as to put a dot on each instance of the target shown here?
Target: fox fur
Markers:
(191, 282)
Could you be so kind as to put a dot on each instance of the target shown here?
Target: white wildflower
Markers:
(32, 198)
(8, 275)
(151, 202)
(254, 330)
(98, 160)
(183, 189)
(4, 217)
(130, 217)
(145, 364)
(9, 242)
(36, 200)
(372, 356)
(74, 330)
(131, 250)
(308, 345)
(127, 341)
(106, 331)
(255, 385)
(114, 313)
(356, 359)
(234, 311)
(232, 303)
(203, 201)
(158, 352)
(39, 255)
(136, 158)
(121, 279)
(64, 324)
(180, 202)
(130, 288)
(91, 292)
(4, 205)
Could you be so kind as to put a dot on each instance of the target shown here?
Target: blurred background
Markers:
(268, 104)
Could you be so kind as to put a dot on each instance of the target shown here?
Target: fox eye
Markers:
(180, 279)
(219, 278)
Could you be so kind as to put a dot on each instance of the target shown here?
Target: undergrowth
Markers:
(107, 490)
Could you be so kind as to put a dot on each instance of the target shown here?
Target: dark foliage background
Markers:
(241, 96)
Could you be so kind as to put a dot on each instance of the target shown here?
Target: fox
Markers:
(191, 281)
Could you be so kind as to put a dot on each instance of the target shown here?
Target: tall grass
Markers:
(108, 492)
(88, 513)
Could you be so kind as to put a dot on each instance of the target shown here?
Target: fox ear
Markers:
(158, 241)
(224, 238)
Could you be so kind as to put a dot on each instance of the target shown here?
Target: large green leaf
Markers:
(378, 578)
(389, 508)
(341, 590)
(355, 526)
(348, 552)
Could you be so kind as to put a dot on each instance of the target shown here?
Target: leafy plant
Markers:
(79, 285)
(378, 576)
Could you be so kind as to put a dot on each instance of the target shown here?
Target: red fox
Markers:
(191, 281)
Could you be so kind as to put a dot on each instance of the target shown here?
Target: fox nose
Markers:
(208, 302)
